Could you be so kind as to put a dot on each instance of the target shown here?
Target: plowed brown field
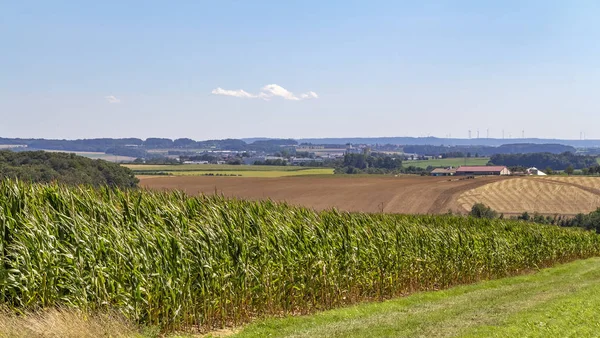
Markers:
(408, 194)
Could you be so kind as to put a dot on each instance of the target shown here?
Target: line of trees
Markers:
(589, 221)
(545, 160)
(460, 151)
(103, 144)
(45, 167)
(373, 163)
(275, 162)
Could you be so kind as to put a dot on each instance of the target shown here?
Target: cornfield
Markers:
(168, 259)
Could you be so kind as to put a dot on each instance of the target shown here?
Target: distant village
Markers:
(505, 159)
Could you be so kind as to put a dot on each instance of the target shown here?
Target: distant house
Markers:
(443, 172)
(481, 170)
(535, 172)
(304, 160)
(195, 162)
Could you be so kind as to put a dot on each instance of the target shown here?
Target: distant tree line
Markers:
(128, 151)
(462, 151)
(119, 146)
(591, 151)
(454, 154)
(561, 161)
(589, 221)
(41, 166)
(374, 163)
(92, 145)
(276, 162)
(593, 170)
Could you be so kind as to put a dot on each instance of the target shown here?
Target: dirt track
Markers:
(410, 195)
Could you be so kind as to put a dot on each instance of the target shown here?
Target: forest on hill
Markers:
(45, 167)
(472, 150)
(545, 160)
(108, 144)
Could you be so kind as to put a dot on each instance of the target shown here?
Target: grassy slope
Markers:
(556, 302)
(446, 162)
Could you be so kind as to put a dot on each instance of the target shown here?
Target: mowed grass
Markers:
(556, 302)
(228, 170)
(447, 162)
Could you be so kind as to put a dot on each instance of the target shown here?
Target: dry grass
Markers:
(65, 323)
(546, 195)
(590, 182)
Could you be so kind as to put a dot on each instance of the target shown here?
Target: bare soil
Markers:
(403, 194)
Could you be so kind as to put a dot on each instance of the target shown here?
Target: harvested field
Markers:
(409, 194)
(545, 195)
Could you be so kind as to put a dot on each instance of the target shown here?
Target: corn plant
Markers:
(168, 259)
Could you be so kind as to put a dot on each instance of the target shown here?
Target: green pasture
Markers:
(227, 170)
(209, 167)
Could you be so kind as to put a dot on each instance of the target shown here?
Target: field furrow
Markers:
(552, 195)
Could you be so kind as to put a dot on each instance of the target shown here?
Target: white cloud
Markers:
(309, 95)
(236, 93)
(267, 92)
(275, 90)
(112, 99)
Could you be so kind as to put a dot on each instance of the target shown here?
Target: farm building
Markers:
(482, 170)
(535, 172)
(443, 172)
(304, 160)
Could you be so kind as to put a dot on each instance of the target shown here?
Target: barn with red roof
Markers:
(481, 170)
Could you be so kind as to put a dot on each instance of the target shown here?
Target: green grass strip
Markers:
(555, 302)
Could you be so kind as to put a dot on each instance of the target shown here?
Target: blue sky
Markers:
(82, 69)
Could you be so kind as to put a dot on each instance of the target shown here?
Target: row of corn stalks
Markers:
(167, 259)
